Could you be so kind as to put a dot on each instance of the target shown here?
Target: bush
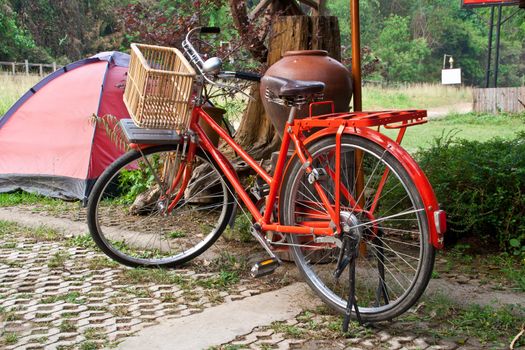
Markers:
(481, 185)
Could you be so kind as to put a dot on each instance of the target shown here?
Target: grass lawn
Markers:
(12, 87)
(421, 96)
(480, 127)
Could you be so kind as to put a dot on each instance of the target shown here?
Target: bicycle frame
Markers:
(335, 124)
(263, 220)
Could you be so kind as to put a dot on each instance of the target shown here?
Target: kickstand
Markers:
(351, 250)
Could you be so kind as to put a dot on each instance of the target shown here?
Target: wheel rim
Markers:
(147, 234)
(396, 224)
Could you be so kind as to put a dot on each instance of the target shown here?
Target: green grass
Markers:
(58, 260)
(484, 323)
(67, 326)
(11, 338)
(19, 197)
(471, 126)
(419, 96)
(12, 88)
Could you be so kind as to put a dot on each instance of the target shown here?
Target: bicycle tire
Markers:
(147, 236)
(399, 241)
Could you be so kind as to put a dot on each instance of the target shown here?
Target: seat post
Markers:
(292, 114)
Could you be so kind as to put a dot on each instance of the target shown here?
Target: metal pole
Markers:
(496, 64)
(356, 54)
(489, 58)
(358, 105)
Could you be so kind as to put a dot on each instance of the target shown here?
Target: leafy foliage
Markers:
(445, 28)
(403, 40)
(402, 56)
(481, 185)
(17, 43)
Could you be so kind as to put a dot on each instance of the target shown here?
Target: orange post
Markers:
(356, 54)
(355, 28)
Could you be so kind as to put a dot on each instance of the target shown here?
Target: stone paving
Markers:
(285, 336)
(57, 297)
(59, 294)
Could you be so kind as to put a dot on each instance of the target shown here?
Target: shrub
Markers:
(481, 185)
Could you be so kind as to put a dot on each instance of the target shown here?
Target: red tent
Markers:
(48, 144)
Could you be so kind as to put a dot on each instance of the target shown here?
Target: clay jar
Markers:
(309, 65)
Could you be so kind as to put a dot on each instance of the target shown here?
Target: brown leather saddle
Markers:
(290, 92)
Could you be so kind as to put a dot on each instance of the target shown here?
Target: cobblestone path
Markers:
(56, 296)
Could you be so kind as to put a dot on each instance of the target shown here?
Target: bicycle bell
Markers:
(212, 65)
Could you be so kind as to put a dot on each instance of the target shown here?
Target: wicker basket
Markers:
(159, 87)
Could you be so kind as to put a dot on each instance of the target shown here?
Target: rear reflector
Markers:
(440, 220)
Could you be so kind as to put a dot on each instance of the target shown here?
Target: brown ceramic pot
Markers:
(310, 65)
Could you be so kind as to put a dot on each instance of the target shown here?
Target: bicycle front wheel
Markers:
(129, 214)
(381, 204)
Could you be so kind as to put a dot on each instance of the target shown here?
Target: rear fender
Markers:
(436, 217)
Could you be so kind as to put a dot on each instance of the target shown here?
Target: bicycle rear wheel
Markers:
(128, 214)
(395, 257)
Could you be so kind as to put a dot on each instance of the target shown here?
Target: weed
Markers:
(67, 326)
(157, 276)
(177, 234)
(139, 292)
(8, 228)
(290, 330)
(82, 241)
(94, 333)
(241, 229)
(11, 263)
(9, 245)
(44, 233)
(73, 297)
(11, 338)
(121, 311)
(12, 316)
(42, 339)
(88, 345)
(101, 262)
(58, 260)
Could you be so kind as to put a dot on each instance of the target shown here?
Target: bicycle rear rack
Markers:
(388, 119)
(141, 136)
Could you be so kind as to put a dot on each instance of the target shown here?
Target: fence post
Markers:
(27, 67)
(13, 67)
(41, 70)
(54, 66)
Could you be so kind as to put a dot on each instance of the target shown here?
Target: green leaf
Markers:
(514, 243)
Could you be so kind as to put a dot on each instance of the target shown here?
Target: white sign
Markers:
(451, 76)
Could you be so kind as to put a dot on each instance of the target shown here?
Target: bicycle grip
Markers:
(210, 30)
(248, 76)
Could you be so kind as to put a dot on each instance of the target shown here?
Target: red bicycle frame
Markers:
(336, 124)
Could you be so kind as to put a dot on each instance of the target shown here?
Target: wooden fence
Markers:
(494, 100)
(21, 68)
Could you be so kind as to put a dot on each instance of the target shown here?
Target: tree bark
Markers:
(256, 134)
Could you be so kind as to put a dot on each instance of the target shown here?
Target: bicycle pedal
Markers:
(265, 267)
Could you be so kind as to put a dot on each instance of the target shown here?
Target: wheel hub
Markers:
(351, 225)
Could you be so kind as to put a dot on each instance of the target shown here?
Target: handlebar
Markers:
(210, 30)
(211, 67)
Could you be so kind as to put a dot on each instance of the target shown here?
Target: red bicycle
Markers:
(356, 212)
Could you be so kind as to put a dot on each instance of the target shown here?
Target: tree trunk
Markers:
(256, 134)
